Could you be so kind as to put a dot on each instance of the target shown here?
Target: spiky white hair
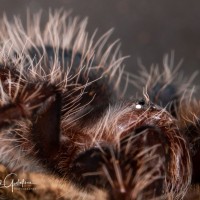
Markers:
(61, 32)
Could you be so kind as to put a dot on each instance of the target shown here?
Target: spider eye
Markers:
(138, 106)
(140, 103)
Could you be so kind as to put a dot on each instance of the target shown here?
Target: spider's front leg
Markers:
(32, 107)
(189, 117)
(167, 89)
(134, 168)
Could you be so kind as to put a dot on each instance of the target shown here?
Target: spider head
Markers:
(136, 158)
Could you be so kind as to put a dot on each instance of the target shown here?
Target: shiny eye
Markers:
(138, 106)
(140, 103)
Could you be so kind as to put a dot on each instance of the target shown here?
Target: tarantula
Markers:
(62, 112)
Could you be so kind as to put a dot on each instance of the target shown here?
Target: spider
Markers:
(62, 112)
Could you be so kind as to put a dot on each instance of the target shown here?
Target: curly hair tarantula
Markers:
(62, 114)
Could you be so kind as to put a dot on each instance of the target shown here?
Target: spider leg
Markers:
(115, 167)
(46, 129)
(38, 102)
(170, 91)
(192, 131)
(188, 114)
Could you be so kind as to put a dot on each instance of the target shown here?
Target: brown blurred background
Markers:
(147, 28)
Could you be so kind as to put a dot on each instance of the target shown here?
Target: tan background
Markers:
(147, 28)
